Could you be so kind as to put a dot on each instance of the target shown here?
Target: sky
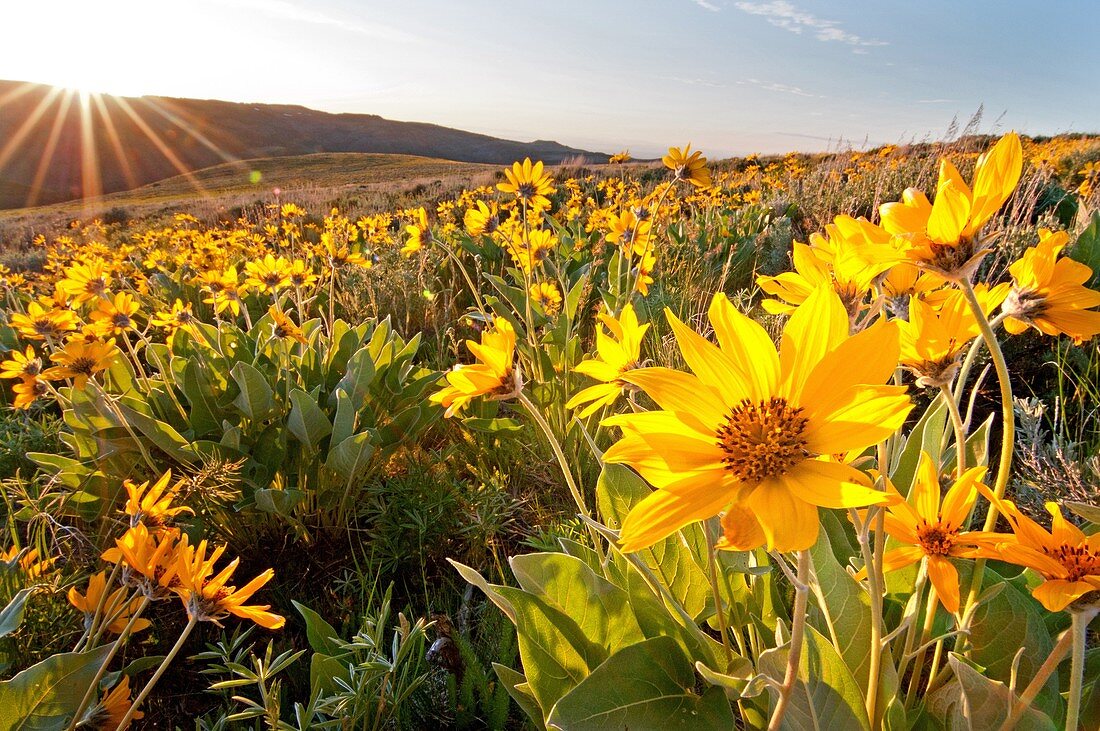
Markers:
(730, 76)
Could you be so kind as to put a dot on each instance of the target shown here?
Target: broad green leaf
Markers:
(321, 635)
(277, 502)
(307, 422)
(555, 653)
(490, 590)
(45, 696)
(204, 412)
(516, 685)
(359, 376)
(343, 424)
(825, 695)
(1087, 249)
(677, 560)
(973, 701)
(12, 615)
(927, 435)
(601, 609)
(256, 399)
(1008, 621)
(650, 685)
(351, 457)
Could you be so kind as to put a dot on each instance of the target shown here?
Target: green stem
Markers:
(91, 692)
(1024, 702)
(719, 611)
(960, 430)
(1008, 435)
(156, 676)
(925, 636)
(798, 632)
(1081, 620)
(567, 472)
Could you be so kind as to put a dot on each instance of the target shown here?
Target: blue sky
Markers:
(731, 76)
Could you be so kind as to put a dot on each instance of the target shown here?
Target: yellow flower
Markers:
(528, 183)
(619, 157)
(931, 530)
(86, 282)
(419, 233)
(849, 257)
(152, 505)
(1066, 558)
(482, 220)
(688, 166)
(267, 275)
(112, 708)
(150, 559)
(27, 561)
(301, 275)
(645, 268)
(21, 365)
(40, 323)
(178, 317)
(115, 606)
(527, 253)
(114, 316)
(1048, 293)
(943, 235)
(751, 426)
(932, 341)
(619, 351)
(284, 327)
(225, 293)
(28, 390)
(629, 232)
(548, 296)
(207, 596)
(492, 376)
(80, 360)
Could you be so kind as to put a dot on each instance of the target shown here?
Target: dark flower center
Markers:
(763, 439)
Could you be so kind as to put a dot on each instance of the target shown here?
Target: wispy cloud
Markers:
(783, 14)
(936, 101)
(781, 88)
(707, 6)
(765, 85)
(299, 13)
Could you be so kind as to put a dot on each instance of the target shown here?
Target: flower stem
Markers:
(960, 430)
(567, 472)
(798, 633)
(1020, 707)
(1081, 620)
(156, 676)
(925, 637)
(1008, 436)
(122, 638)
(720, 613)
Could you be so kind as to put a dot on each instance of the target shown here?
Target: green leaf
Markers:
(359, 376)
(45, 696)
(351, 457)
(1087, 249)
(1091, 513)
(555, 653)
(926, 436)
(277, 502)
(825, 695)
(973, 701)
(256, 399)
(601, 609)
(516, 685)
(204, 411)
(343, 424)
(677, 560)
(12, 615)
(1003, 624)
(650, 685)
(321, 635)
(307, 422)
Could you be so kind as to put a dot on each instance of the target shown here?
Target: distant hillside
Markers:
(47, 136)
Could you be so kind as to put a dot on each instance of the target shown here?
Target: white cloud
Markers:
(782, 88)
(936, 101)
(707, 6)
(783, 14)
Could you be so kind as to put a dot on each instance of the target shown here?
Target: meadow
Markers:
(770, 442)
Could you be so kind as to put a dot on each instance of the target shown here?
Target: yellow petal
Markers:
(789, 524)
(945, 580)
(741, 530)
(713, 367)
(747, 344)
(866, 415)
(669, 509)
(815, 328)
(959, 500)
(925, 495)
(683, 393)
(869, 357)
(949, 214)
(995, 177)
(832, 485)
(1057, 594)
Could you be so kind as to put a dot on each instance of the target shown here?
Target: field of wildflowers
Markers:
(625, 451)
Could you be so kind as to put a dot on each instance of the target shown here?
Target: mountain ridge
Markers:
(134, 141)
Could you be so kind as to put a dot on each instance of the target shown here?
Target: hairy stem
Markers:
(798, 633)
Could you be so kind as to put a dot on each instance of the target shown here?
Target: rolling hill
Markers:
(56, 145)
